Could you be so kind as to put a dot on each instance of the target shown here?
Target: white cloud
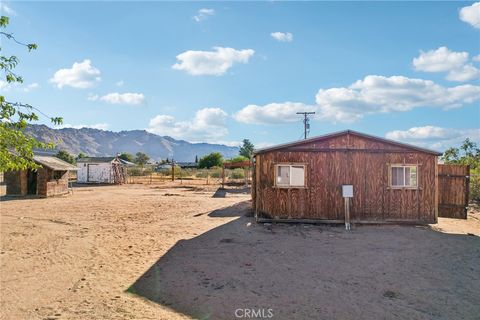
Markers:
(445, 60)
(203, 14)
(282, 36)
(119, 83)
(379, 94)
(434, 137)
(93, 97)
(465, 73)
(207, 125)
(80, 76)
(476, 58)
(5, 86)
(471, 15)
(440, 60)
(272, 113)
(5, 9)
(215, 62)
(31, 86)
(100, 126)
(371, 95)
(123, 98)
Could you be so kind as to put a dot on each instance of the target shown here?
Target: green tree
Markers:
(246, 149)
(16, 148)
(81, 155)
(141, 158)
(127, 157)
(237, 159)
(65, 156)
(213, 159)
(196, 159)
(467, 154)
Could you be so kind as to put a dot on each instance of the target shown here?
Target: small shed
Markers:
(50, 179)
(101, 170)
(302, 181)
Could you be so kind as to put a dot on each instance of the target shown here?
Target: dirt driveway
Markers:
(175, 252)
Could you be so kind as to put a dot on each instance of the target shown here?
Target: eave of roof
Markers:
(340, 133)
(96, 159)
(54, 163)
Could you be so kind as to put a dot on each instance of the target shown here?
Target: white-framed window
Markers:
(403, 176)
(290, 175)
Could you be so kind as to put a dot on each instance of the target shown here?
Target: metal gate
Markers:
(453, 189)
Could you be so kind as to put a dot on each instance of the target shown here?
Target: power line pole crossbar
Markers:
(306, 124)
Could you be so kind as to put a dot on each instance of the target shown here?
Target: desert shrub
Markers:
(201, 174)
(215, 172)
(147, 171)
(237, 159)
(237, 174)
(137, 171)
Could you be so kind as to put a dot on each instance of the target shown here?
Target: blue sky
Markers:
(223, 71)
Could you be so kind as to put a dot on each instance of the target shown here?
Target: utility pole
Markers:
(306, 124)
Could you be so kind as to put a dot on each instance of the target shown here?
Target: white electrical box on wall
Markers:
(347, 191)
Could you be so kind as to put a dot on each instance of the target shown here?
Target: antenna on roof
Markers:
(306, 122)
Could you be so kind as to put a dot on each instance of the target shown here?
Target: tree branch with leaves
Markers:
(16, 148)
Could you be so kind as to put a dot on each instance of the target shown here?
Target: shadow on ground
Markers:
(317, 272)
(225, 192)
(15, 197)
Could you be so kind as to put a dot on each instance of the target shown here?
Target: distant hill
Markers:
(94, 142)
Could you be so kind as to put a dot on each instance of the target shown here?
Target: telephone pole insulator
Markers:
(306, 124)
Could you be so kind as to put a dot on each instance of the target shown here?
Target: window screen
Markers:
(404, 176)
(283, 175)
(290, 175)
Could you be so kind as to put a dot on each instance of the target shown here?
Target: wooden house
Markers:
(51, 179)
(302, 181)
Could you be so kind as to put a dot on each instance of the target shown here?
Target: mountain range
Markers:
(95, 142)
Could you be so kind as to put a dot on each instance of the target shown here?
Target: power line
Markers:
(306, 122)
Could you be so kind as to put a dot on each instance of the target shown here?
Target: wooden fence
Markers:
(453, 190)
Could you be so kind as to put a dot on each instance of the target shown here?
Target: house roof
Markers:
(127, 163)
(340, 133)
(96, 159)
(54, 163)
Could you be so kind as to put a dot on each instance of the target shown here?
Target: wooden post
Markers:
(467, 189)
(245, 175)
(223, 177)
(347, 213)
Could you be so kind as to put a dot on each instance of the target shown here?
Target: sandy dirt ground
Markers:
(181, 252)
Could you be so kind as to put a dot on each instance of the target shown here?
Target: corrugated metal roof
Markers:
(96, 159)
(127, 163)
(54, 163)
(339, 133)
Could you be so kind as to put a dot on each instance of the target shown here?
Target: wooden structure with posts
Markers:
(392, 182)
(50, 179)
(245, 165)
